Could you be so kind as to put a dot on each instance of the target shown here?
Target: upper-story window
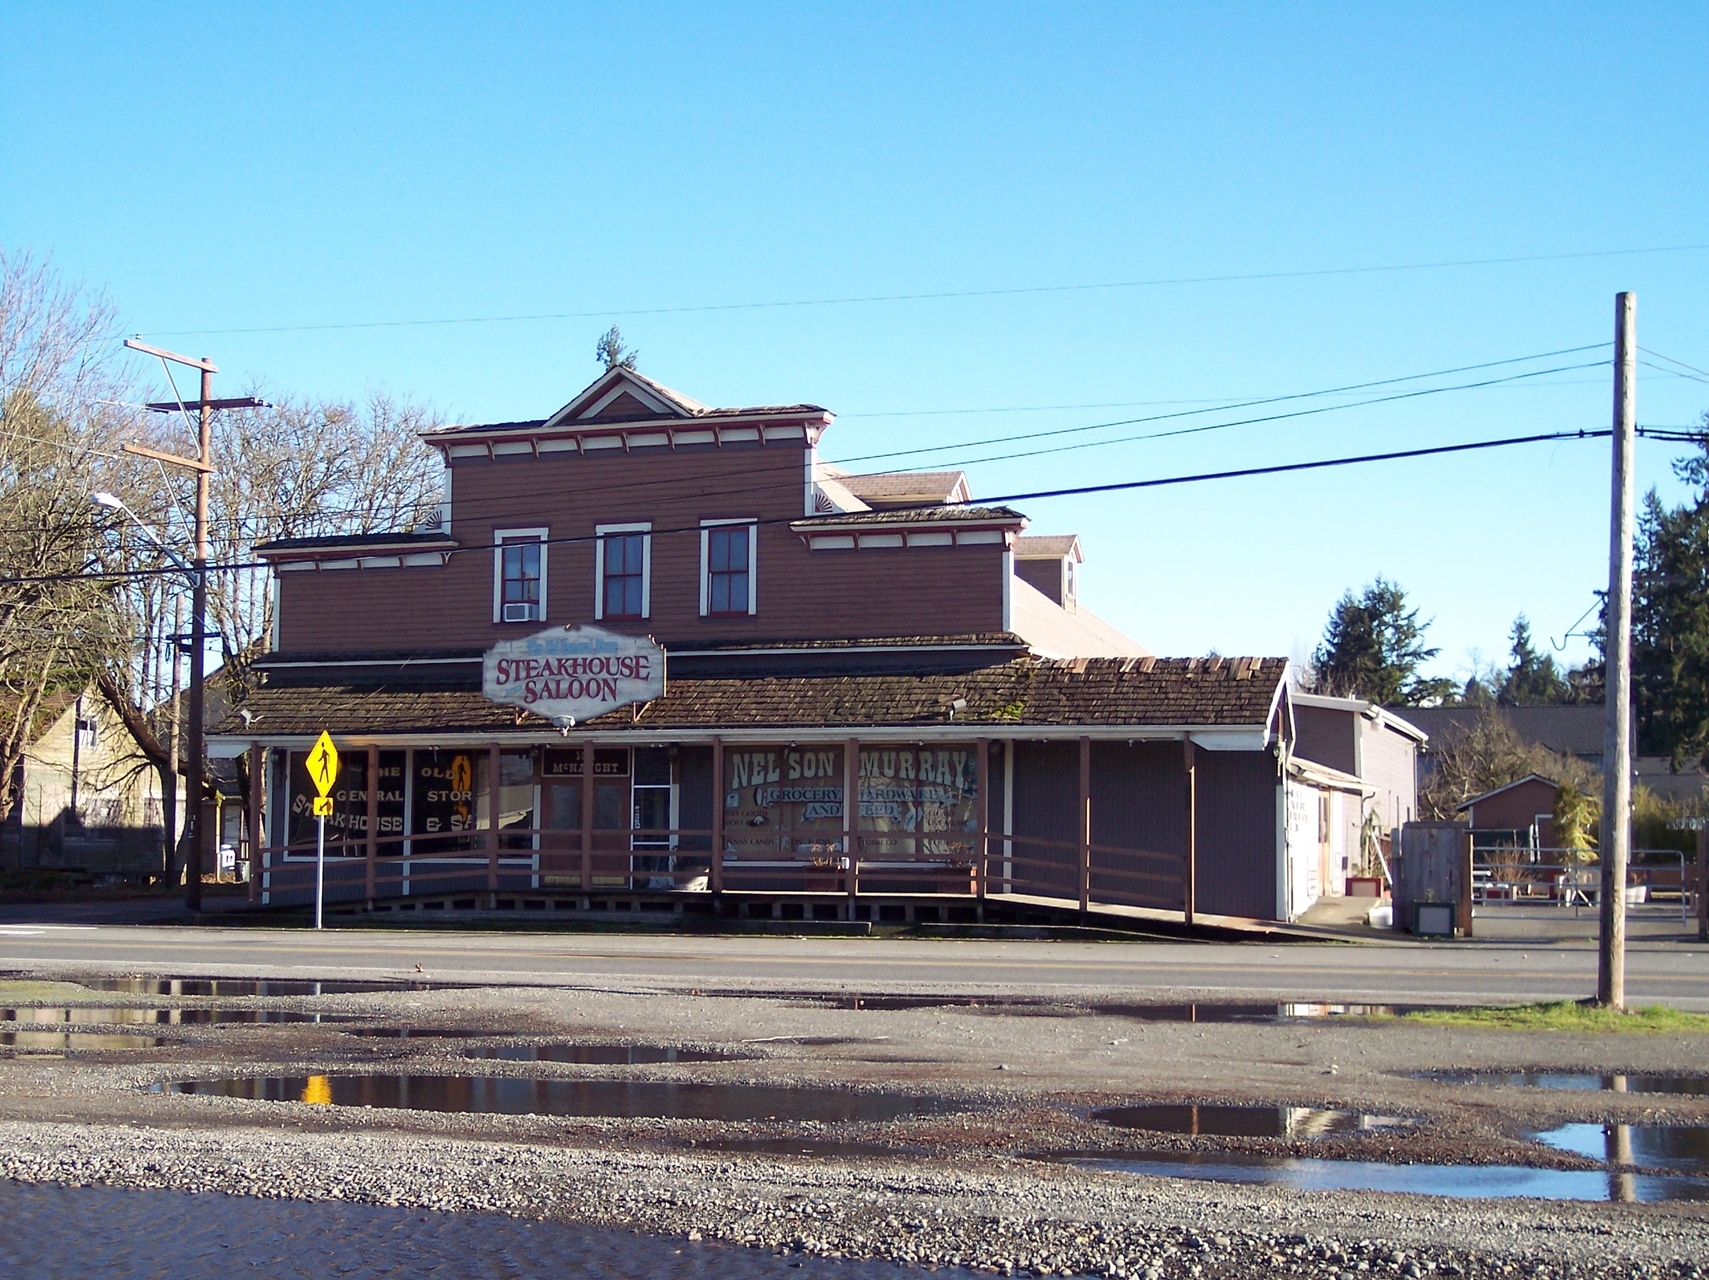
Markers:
(623, 571)
(519, 575)
(727, 550)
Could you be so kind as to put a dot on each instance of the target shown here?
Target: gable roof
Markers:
(1569, 730)
(907, 488)
(620, 396)
(1049, 546)
(1530, 777)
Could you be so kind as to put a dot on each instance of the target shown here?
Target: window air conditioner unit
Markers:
(519, 613)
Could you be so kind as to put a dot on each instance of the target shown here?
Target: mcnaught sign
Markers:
(571, 674)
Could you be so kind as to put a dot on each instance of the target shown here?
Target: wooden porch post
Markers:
(1085, 810)
(1703, 886)
(1190, 872)
(851, 818)
(717, 877)
(373, 818)
(494, 791)
(587, 817)
(257, 799)
(982, 815)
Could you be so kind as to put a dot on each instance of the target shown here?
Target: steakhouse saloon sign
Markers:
(571, 674)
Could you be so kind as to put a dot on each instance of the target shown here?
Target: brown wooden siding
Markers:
(1047, 791)
(1325, 735)
(800, 594)
(1237, 833)
(1046, 575)
(1139, 801)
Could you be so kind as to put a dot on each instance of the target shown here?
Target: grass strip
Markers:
(1566, 1015)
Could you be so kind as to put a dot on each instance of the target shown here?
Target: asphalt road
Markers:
(1410, 973)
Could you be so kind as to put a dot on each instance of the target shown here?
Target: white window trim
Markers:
(502, 536)
(706, 526)
(600, 530)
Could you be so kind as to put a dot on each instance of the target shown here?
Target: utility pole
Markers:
(1617, 657)
(202, 465)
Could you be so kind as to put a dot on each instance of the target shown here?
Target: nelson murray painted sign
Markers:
(571, 674)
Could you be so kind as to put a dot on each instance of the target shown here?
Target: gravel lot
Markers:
(959, 1190)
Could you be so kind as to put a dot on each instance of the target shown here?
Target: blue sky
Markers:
(253, 167)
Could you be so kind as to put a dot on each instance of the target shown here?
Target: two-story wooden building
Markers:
(658, 656)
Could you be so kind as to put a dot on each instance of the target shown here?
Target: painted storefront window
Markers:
(915, 802)
(783, 801)
(919, 802)
(347, 828)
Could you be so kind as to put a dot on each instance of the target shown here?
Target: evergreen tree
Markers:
(1533, 680)
(1373, 647)
(1670, 617)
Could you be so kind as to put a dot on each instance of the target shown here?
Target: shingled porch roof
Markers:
(1092, 692)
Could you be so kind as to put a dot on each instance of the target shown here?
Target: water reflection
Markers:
(624, 1099)
(77, 1016)
(1243, 1121)
(1681, 1147)
(1454, 1180)
(603, 1055)
(1675, 1083)
(50, 1041)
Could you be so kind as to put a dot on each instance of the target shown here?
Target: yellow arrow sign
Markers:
(323, 764)
(323, 806)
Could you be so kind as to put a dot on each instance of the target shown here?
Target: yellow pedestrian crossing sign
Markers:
(323, 806)
(323, 765)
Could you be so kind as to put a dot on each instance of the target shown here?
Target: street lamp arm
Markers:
(114, 503)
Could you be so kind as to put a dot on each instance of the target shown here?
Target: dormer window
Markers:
(519, 575)
(623, 571)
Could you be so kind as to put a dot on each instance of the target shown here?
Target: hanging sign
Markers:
(572, 674)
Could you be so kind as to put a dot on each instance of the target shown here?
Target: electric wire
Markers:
(467, 509)
(836, 523)
(943, 295)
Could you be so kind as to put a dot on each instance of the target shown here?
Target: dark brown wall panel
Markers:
(1237, 833)
(1046, 575)
(1325, 736)
(1047, 792)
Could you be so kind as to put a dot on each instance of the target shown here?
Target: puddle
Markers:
(55, 1230)
(234, 987)
(53, 1041)
(418, 1033)
(1684, 1084)
(619, 1099)
(1456, 1180)
(1242, 1012)
(1232, 1121)
(75, 1016)
(1682, 1147)
(600, 1055)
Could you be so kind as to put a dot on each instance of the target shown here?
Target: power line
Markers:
(743, 483)
(1673, 373)
(945, 295)
(1659, 356)
(1162, 482)
(470, 508)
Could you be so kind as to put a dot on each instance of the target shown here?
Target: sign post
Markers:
(323, 772)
